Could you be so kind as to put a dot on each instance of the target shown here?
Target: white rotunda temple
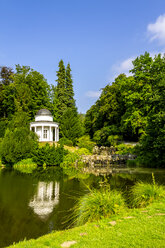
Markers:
(44, 127)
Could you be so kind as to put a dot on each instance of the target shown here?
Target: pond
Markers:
(34, 205)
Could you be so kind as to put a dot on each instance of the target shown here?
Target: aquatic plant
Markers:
(98, 204)
(142, 194)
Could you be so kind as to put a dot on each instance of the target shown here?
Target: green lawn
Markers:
(136, 228)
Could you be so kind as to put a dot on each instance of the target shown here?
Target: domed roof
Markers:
(44, 112)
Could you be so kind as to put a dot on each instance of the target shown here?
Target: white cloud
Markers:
(122, 67)
(157, 30)
(93, 94)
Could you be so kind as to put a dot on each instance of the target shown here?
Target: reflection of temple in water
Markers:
(45, 199)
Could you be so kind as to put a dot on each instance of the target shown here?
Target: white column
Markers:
(50, 133)
(42, 133)
(55, 134)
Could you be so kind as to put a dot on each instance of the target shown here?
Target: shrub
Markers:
(25, 166)
(83, 151)
(48, 155)
(18, 142)
(106, 135)
(72, 159)
(142, 194)
(125, 149)
(98, 204)
(64, 141)
(17, 145)
(113, 140)
(85, 142)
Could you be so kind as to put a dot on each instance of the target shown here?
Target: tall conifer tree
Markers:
(70, 102)
(64, 104)
(61, 91)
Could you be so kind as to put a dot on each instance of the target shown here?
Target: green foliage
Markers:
(135, 107)
(48, 155)
(64, 141)
(3, 126)
(152, 149)
(70, 102)
(64, 108)
(25, 90)
(125, 149)
(60, 92)
(98, 204)
(114, 140)
(72, 159)
(83, 151)
(31, 90)
(25, 166)
(6, 92)
(106, 136)
(70, 125)
(86, 142)
(144, 229)
(143, 194)
(18, 142)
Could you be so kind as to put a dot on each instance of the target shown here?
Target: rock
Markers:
(68, 243)
(83, 234)
(113, 223)
(129, 217)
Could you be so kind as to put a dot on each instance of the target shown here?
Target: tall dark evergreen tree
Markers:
(70, 102)
(60, 91)
(64, 107)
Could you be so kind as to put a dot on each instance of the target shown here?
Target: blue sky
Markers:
(99, 38)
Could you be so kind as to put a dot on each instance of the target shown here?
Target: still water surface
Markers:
(31, 206)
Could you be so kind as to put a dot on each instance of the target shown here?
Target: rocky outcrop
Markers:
(104, 150)
(106, 160)
(105, 157)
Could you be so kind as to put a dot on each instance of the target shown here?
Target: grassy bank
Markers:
(133, 228)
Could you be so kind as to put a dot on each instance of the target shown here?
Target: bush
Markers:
(64, 141)
(48, 155)
(17, 145)
(142, 194)
(113, 140)
(123, 149)
(106, 135)
(98, 204)
(25, 166)
(18, 142)
(72, 159)
(85, 142)
(83, 151)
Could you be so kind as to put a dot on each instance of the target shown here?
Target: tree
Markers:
(31, 90)
(60, 91)
(6, 92)
(152, 149)
(129, 102)
(70, 125)
(19, 142)
(70, 102)
(64, 107)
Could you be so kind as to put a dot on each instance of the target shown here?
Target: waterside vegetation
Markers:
(123, 230)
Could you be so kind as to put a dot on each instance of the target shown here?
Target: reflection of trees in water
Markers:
(45, 199)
